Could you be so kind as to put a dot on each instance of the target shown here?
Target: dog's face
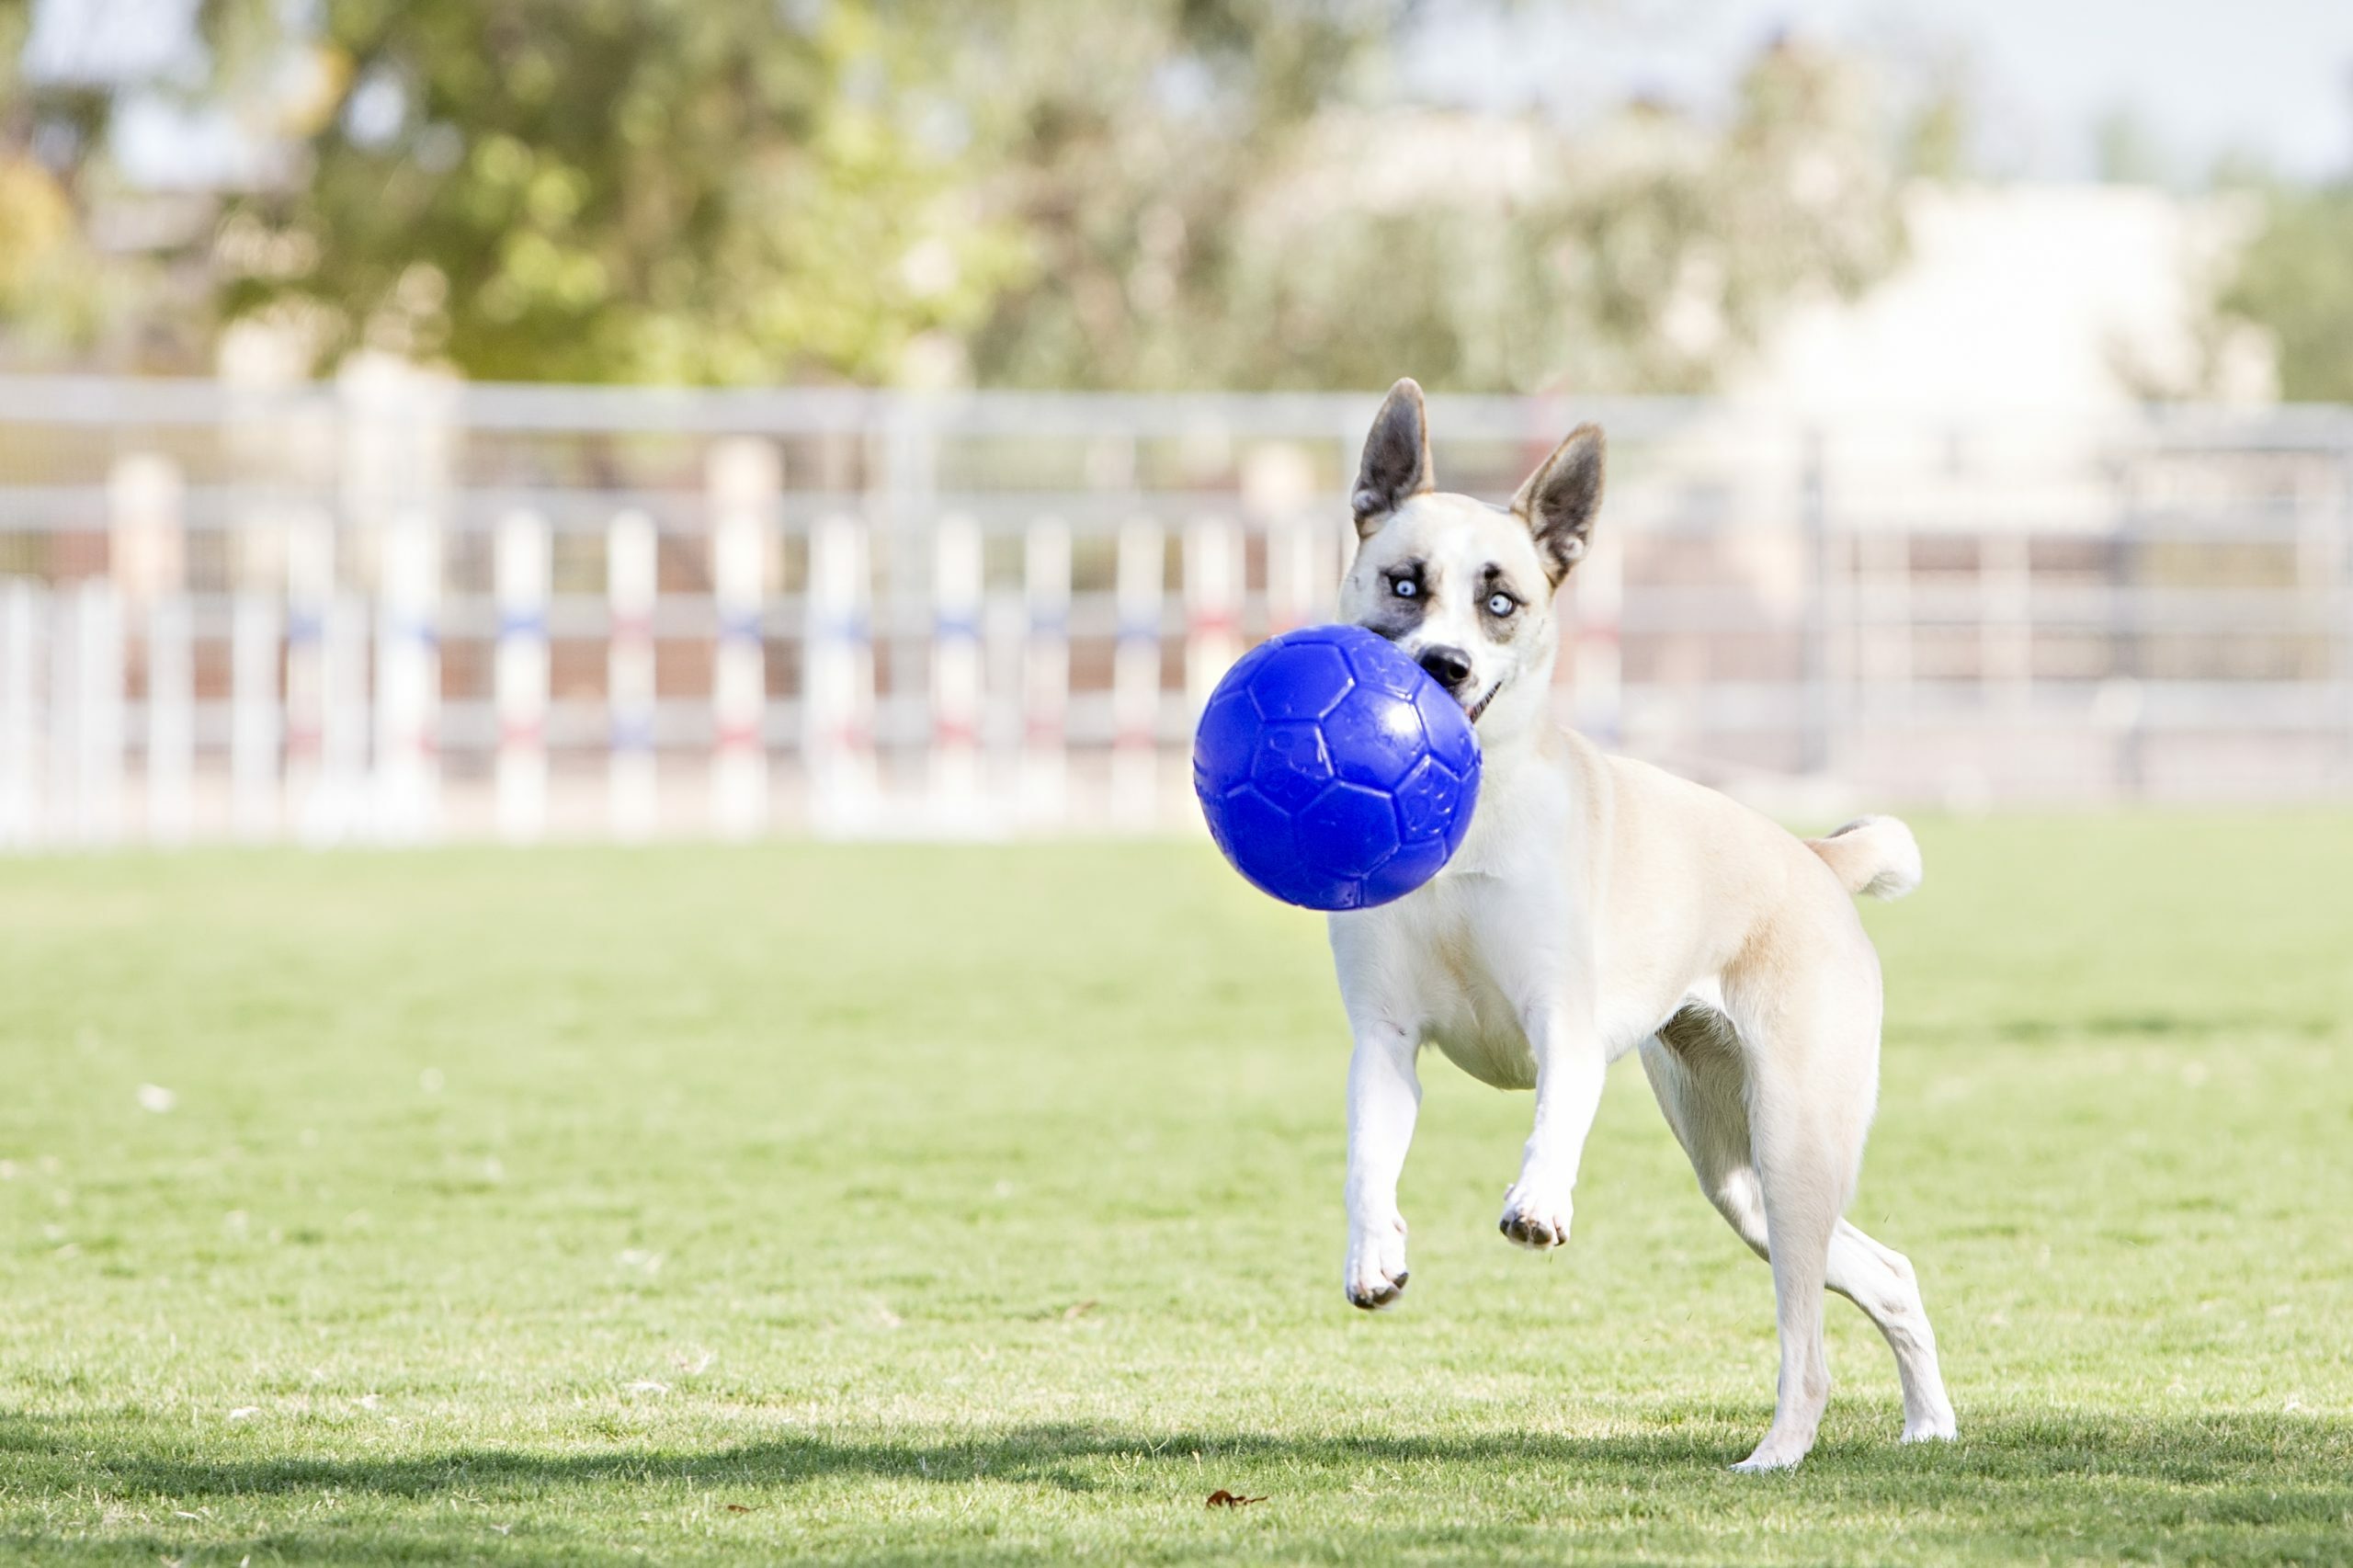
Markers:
(1464, 588)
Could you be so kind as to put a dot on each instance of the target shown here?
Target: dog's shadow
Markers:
(2202, 1449)
(2219, 1472)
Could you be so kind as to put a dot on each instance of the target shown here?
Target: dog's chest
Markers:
(1479, 1030)
(1466, 983)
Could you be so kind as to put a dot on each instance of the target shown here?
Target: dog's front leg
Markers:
(1384, 1095)
(1570, 1068)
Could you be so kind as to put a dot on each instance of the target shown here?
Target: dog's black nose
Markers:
(1447, 666)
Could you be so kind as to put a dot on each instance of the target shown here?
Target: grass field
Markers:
(983, 1204)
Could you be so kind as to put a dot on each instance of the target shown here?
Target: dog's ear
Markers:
(1396, 458)
(1559, 499)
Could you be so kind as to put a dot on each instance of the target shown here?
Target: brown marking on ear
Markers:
(1396, 458)
(1560, 498)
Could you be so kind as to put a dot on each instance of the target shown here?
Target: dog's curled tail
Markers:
(1876, 857)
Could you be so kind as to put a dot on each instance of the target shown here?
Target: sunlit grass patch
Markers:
(983, 1203)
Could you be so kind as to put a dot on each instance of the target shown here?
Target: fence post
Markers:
(96, 700)
(1213, 571)
(146, 543)
(253, 716)
(522, 570)
(632, 585)
(1045, 672)
(1814, 636)
(1885, 605)
(2005, 626)
(837, 679)
(342, 719)
(171, 720)
(956, 673)
(1140, 596)
(408, 679)
(1277, 481)
(745, 479)
(310, 583)
(23, 636)
(64, 712)
(147, 553)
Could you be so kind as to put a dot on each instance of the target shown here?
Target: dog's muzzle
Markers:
(1451, 667)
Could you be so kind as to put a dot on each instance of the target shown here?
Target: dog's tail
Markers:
(1876, 857)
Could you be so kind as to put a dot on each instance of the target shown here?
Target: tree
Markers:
(63, 297)
(1145, 193)
(1124, 142)
(2295, 281)
(665, 190)
(1210, 218)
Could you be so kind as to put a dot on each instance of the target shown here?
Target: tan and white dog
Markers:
(1598, 907)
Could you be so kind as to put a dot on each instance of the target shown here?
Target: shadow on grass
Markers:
(2197, 1450)
(2218, 1486)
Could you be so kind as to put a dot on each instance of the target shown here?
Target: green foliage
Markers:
(982, 1204)
(1150, 194)
(601, 189)
(57, 289)
(2296, 281)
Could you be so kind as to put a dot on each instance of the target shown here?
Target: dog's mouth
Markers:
(1472, 710)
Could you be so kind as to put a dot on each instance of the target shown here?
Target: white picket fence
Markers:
(397, 611)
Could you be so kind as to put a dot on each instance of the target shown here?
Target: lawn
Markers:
(983, 1203)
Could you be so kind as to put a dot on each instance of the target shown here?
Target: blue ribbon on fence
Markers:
(527, 623)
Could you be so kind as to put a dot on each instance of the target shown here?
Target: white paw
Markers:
(1772, 1455)
(1376, 1274)
(1937, 1428)
(1536, 1214)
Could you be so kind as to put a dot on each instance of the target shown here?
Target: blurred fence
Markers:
(395, 608)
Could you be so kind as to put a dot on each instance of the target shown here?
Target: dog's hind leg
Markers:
(1880, 1280)
(1699, 1071)
(1695, 1069)
(1805, 1155)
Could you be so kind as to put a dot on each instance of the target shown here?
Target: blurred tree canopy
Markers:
(1148, 194)
(725, 190)
(1246, 225)
(63, 298)
(2296, 281)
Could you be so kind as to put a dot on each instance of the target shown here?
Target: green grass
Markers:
(875, 1204)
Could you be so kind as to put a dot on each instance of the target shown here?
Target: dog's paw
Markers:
(1536, 1214)
(1935, 1428)
(1376, 1273)
(1773, 1455)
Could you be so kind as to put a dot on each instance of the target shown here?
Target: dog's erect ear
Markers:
(1561, 498)
(1396, 458)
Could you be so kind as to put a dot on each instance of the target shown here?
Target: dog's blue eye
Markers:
(1404, 587)
(1501, 605)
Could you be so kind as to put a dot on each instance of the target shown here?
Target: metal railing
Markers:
(396, 609)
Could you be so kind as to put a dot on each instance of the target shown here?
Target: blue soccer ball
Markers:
(1334, 773)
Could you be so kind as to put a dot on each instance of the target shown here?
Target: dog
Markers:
(1598, 907)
